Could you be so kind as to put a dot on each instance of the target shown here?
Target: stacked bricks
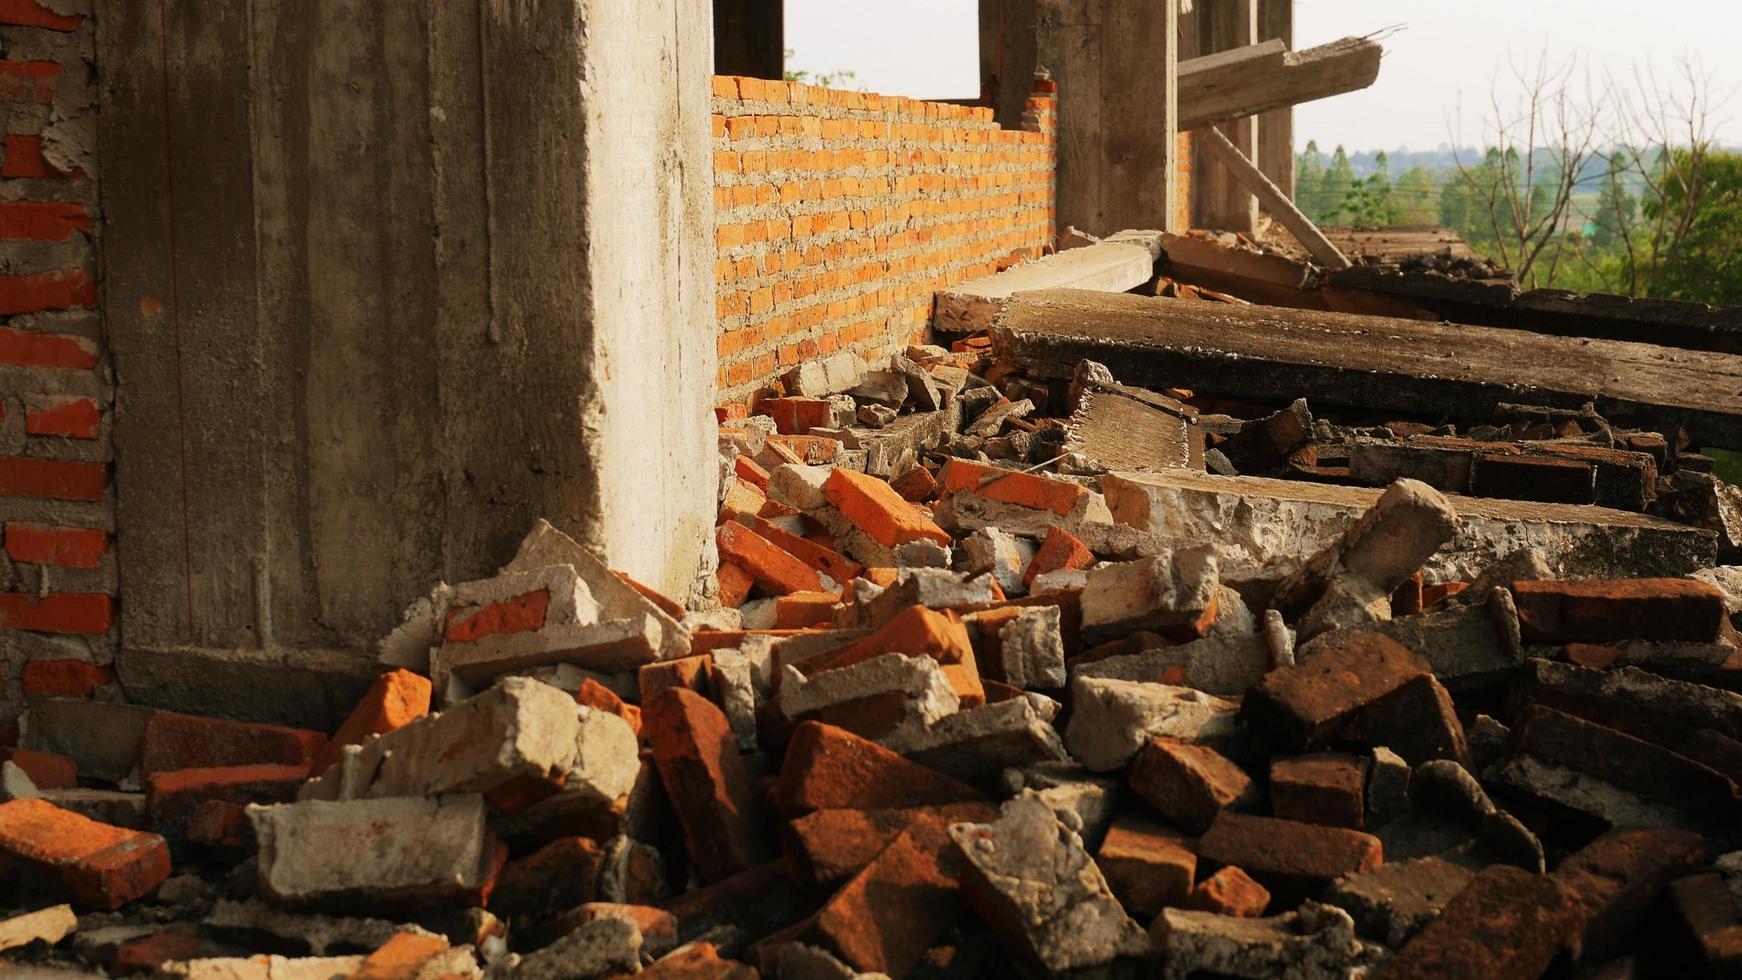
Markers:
(57, 561)
(839, 214)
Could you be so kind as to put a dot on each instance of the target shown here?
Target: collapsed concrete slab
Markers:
(1114, 264)
(1256, 520)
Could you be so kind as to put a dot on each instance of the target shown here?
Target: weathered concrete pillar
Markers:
(1222, 202)
(385, 282)
(1276, 127)
(1007, 57)
(1115, 62)
(750, 38)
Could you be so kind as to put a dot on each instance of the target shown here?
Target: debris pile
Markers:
(1005, 677)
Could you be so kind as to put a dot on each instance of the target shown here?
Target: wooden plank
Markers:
(1225, 86)
(1378, 363)
(1271, 197)
(1116, 264)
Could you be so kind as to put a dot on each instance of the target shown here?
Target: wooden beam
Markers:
(1221, 87)
(1430, 369)
(1116, 264)
(1271, 197)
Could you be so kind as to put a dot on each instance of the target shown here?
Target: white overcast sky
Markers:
(1446, 55)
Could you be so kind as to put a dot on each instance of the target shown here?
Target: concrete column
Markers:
(750, 38)
(1276, 127)
(384, 283)
(1008, 57)
(1222, 202)
(1115, 62)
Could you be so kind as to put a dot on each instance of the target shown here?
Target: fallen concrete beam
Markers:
(1254, 520)
(1378, 363)
(1273, 198)
(1246, 81)
(1114, 265)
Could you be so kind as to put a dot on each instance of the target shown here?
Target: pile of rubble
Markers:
(1000, 681)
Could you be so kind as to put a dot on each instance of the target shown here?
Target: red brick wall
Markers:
(838, 214)
(57, 562)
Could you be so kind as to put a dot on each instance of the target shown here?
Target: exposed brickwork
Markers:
(57, 549)
(838, 214)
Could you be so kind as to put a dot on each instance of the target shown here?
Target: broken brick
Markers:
(1008, 486)
(175, 741)
(1617, 880)
(1303, 705)
(558, 876)
(396, 698)
(771, 568)
(91, 864)
(917, 485)
(1229, 891)
(403, 957)
(1605, 611)
(819, 557)
(1148, 866)
(1059, 550)
(172, 797)
(599, 697)
(828, 768)
(698, 761)
(45, 769)
(1710, 924)
(1506, 923)
(872, 506)
(824, 847)
(1189, 784)
(887, 915)
(1326, 788)
(735, 585)
(1294, 860)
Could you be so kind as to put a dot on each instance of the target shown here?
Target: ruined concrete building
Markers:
(518, 488)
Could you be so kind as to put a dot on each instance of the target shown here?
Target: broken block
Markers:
(977, 496)
(1005, 556)
(607, 646)
(555, 878)
(1229, 891)
(91, 864)
(887, 915)
(519, 601)
(827, 768)
(175, 741)
(1112, 720)
(981, 741)
(1505, 923)
(1300, 706)
(172, 798)
(1326, 788)
(1190, 784)
(1392, 902)
(1596, 611)
(47, 926)
(776, 571)
(396, 699)
(873, 507)
(825, 847)
(1172, 593)
(1148, 866)
(1618, 878)
(704, 776)
(1294, 860)
(398, 851)
(1059, 551)
(1031, 880)
(1316, 942)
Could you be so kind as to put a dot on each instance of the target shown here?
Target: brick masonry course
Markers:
(838, 214)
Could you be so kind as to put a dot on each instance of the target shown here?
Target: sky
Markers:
(1441, 64)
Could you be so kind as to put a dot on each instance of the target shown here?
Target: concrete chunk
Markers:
(983, 740)
(1112, 719)
(1256, 520)
(1173, 593)
(48, 926)
(401, 850)
(1029, 877)
(873, 698)
(1392, 902)
(1317, 942)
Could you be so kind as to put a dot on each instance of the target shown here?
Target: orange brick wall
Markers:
(57, 563)
(838, 214)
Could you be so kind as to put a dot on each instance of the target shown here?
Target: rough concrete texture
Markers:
(335, 385)
(1390, 902)
(984, 740)
(1112, 719)
(264, 967)
(1170, 591)
(1255, 520)
(917, 686)
(404, 849)
(1318, 941)
(1030, 878)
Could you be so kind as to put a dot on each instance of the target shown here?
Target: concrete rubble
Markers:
(965, 703)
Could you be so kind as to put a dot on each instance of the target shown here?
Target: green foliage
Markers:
(1707, 263)
(827, 79)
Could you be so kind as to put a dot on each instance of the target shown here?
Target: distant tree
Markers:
(827, 79)
(1706, 261)
(1309, 179)
(1368, 201)
(1617, 208)
(1417, 197)
(1334, 189)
